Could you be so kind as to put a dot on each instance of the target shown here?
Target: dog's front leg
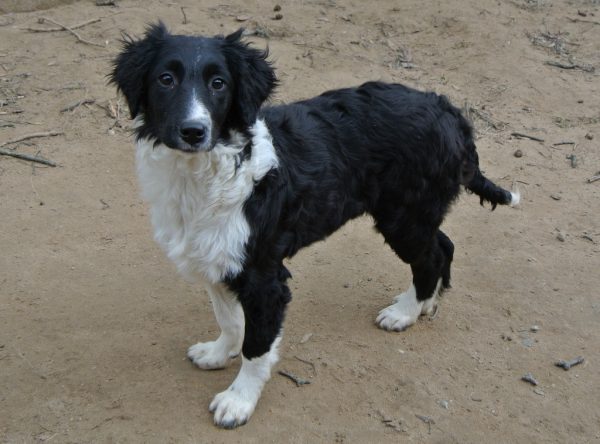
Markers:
(230, 317)
(264, 304)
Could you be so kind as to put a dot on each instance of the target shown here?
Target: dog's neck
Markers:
(203, 194)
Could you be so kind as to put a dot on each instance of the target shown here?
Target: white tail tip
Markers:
(515, 198)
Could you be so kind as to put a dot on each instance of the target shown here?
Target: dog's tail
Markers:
(488, 190)
(474, 180)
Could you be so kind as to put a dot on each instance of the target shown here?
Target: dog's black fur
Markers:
(385, 149)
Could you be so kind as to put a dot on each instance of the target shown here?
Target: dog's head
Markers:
(192, 91)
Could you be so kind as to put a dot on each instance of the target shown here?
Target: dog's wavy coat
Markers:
(235, 188)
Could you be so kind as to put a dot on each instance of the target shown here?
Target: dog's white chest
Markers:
(197, 203)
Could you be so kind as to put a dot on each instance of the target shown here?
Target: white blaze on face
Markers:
(197, 111)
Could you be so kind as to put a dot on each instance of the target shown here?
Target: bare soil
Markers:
(95, 322)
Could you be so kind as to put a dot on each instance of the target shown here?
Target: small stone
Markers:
(444, 404)
(560, 236)
(277, 8)
(242, 18)
(346, 285)
(556, 196)
(589, 136)
(278, 16)
(518, 153)
(476, 398)
(535, 328)
(306, 338)
(527, 342)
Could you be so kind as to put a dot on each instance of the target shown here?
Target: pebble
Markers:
(556, 196)
(444, 404)
(305, 338)
(278, 16)
(538, 391)
(589, 136)
(277, 8)
(560, 236)
(518, 153)
(535, 328)
(242, 18)
(527, 342)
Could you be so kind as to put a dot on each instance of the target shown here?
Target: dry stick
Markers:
(563, 143)
(80, 25)
(575, 20)
(566, 365)
(530, 379)
(296, 379)
(184, 22)
(77, 104)
(32, 136)
(526, 136)
(77, 36)
(314, 369)
(486, 119)
(27, 157)
(594, 178)
(571, 66)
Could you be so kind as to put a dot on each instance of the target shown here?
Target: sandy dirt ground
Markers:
(95, 322)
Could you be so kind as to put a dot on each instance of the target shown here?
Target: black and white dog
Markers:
(235, 188)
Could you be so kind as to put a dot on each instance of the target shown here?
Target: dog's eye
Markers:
(166, 79)
(217, 84)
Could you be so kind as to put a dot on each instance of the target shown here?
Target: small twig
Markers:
(80, 25)
(427, 420)
(594, 178)
(530, 379)
(296, 379)
(566, 365)
(23, 156)
(587, 237)
(487, 119)
(526, 136)
(575, 20)
(77, 36)
(586, 68)
(563, 143)
(184, 22)
(308, 45)
(314, 369)
(32, 136)
(75, 105)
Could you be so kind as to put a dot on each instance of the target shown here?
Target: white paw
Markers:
(403, 313)
(211, 355)
(233, 407)
(430, 307)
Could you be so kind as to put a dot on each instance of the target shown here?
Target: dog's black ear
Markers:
(133, 63)
(253, 79)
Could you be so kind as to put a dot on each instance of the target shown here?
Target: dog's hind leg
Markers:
(430, 264)
(264, 301)
(230, 317)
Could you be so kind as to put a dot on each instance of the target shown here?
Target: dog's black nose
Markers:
(193, 132)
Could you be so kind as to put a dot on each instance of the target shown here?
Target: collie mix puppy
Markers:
(235, 187)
